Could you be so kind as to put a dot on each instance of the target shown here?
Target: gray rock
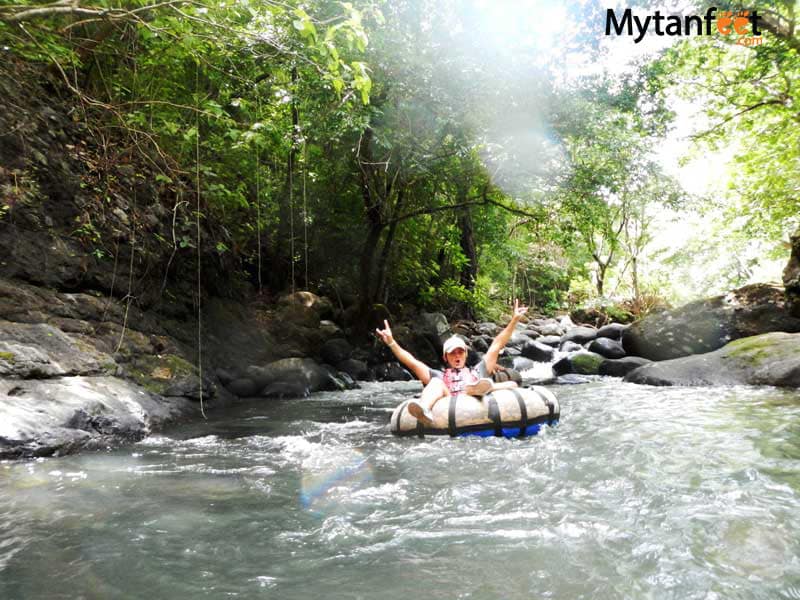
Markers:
(510, 351)
(620, 367)
(518, 340)
(335, 351)
(538, 352)
(303, 371)
(391, 371)
(341, 381)
(769, 359)
(607, 347)
(357, 369)
(546, 326)
(320, 305)
(612, 330)
(330, 329)
(570, 347)
(285, 389)
(707, 325)
(243, 387)
(480, 344)
(550, 340)
(582, 363)
(550, 329)
(40, 350)
(59, 416)
(224, 376)
(436, 325)
(579, 335)
(490, 329)
(522, 364)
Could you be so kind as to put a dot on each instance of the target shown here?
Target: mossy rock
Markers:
(586, 363)
(158, 373)
(9, 357)
(769, 359)
(759, 349)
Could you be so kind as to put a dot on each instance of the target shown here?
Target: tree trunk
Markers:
(373, 205)
(366, 279)
(637, 294)
(469, 272)
(600, 278)
(284, 243)
(791, 276)
(383, 259)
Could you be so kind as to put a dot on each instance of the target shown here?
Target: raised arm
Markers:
(499, 342)
(417, 367)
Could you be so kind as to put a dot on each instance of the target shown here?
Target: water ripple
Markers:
(639, 492)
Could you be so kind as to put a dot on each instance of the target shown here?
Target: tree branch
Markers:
(738, 114)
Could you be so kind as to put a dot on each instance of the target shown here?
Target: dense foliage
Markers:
(399, 152)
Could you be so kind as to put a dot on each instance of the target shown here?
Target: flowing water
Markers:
(639, 492)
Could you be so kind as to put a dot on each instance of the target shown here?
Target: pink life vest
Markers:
(457, 379)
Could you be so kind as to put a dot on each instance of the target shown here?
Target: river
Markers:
(639, 492)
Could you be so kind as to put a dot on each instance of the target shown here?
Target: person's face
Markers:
(457, 358)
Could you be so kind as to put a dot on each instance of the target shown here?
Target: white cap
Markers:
(453, 343)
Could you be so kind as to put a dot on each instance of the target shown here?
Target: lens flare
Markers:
(330, 478)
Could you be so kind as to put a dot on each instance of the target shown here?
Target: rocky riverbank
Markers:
(85, 371)
(104, 339)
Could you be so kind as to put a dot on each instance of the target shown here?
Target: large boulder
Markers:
(295, 371)
(67, 414)
(39, 351)
(768, 359)
(707, 325)
(435, 327)
(791, 277)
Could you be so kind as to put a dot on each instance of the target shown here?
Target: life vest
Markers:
(457, 379)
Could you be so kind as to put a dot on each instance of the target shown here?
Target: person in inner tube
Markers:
(456, 378)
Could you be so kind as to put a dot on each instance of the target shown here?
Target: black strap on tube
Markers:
(494, 414)
(523, 413)
(403, 407)
(551, 408)
(451, 416)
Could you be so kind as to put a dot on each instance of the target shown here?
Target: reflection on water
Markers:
(638, 493)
